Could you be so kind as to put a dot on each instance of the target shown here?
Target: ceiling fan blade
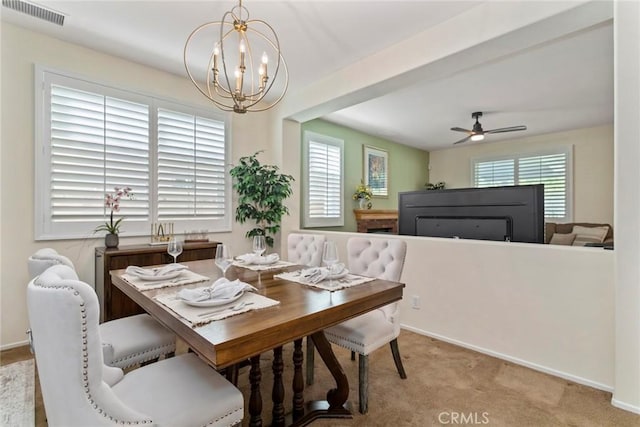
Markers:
(457, 129)
(509, 129)
(462, 140)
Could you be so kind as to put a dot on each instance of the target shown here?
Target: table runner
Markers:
(346, 282)
(192, 314)
(184, 278)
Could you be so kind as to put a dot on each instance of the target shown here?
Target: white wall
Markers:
(547, 307)
(21, 49)
(627, 203)
(592, 166)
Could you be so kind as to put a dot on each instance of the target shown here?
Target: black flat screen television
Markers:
(510, 213)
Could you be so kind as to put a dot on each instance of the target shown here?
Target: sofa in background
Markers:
(552, 228)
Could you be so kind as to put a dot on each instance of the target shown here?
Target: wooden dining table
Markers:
(303, 311)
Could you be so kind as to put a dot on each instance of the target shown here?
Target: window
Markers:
(91, 138)
(323, 181)
(551, 169)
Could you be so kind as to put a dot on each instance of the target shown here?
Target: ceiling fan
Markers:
(477, 134)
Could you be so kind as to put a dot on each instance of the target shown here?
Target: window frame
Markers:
(44, 228)
(307, 222)
(566, 150)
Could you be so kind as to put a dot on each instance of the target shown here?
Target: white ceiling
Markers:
(563, 85)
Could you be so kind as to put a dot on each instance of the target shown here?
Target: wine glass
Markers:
(259, 245)
(330, 257)
(223, 258)
(174, 248)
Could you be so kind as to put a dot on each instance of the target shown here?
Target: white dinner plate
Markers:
(151, 277)
(214, 302)
(265, 261)
(340, 275)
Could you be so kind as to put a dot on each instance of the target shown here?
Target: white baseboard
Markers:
(517, 361)
(14, 345)
(625, 406)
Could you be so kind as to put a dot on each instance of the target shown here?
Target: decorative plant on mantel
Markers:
(261, 190)
(437, 186)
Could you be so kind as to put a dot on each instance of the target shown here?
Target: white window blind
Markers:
(324, 180)
(494, 173)
(97, 143)
(91, 138)
(191, 166)
(550, 169)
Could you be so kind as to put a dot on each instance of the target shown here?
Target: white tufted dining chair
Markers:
(382, 259)
(127, 341)
(306, 249)
(180, 391)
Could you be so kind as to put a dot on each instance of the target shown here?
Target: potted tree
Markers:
(262, 190)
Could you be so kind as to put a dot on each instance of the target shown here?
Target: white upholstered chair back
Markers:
(45, 258)
(305, 249)
(374, 257)
(382, 259)
(63, 313)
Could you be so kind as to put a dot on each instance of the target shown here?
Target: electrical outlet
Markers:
(415, 302)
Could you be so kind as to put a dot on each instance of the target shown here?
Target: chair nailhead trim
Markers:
(85, 355)
(329, 335)
(151, 353)
(225, 416)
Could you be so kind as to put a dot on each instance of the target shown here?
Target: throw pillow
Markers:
(562, 239)
(586, 235)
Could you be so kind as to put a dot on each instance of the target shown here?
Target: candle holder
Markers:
(161, 233)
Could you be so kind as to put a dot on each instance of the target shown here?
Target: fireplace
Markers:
(376, 220)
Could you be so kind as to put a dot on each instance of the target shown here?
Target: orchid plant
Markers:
(112, 201)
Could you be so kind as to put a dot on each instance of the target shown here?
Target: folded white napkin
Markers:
(158, 272)
(318, 274)
(256, 259)
(220, 289)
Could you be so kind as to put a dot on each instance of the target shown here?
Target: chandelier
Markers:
(235, 79)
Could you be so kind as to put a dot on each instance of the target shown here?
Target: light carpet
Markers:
(17, 394)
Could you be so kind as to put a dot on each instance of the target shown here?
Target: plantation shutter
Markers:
(324, 180)
(191, 166)
(494, 173)
(97, 142)
(550, 170)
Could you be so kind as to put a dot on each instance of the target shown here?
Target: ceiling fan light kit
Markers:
(478, 134)
(234, 81)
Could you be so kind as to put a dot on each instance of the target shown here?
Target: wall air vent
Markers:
(35, 11)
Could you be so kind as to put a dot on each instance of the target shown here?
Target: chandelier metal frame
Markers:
(218, 88)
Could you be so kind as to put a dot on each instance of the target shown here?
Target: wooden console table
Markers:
(114, 304)
(376, 220)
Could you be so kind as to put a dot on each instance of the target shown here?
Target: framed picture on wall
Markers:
(376, 170)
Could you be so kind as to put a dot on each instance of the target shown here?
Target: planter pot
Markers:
(111, 240)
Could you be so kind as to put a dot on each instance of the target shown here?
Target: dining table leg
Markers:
(298, 380)
(336, 404)
(255, 400)
(277, 393)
